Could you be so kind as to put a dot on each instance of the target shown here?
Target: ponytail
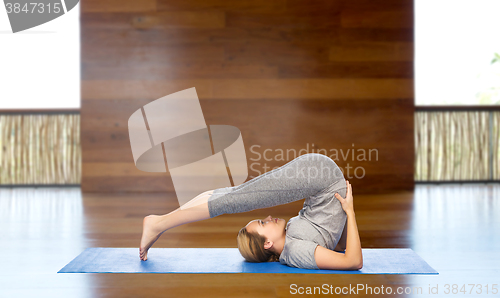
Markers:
(251, 247)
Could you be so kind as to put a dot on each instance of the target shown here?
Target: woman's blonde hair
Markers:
(251, 247)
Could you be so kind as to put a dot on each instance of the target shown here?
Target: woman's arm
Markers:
(352, 259)
(353, 246)
(341, 245)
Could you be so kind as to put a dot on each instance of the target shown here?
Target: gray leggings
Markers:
(298, 179)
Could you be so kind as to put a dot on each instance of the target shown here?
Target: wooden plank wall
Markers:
(288, 73)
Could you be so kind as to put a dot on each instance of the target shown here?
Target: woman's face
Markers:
(271, 228)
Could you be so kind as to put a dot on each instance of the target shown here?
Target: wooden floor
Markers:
(455, 228)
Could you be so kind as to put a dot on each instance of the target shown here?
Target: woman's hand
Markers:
(347, 203)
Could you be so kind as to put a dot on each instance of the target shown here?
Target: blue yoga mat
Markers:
(229, 260)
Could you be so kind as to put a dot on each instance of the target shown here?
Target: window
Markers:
(40, 66)
(455, 43)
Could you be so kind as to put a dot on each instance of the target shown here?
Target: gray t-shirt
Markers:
(320, 222)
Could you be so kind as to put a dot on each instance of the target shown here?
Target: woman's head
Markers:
(261, 240)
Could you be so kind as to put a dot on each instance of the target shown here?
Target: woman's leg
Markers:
(155, 225)
(300, 178)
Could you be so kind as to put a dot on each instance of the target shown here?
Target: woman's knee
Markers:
(322, 169)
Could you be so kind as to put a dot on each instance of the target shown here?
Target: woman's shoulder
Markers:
(298, 253)
(299, 227)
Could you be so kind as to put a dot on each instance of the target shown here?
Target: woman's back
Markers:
(320, 222)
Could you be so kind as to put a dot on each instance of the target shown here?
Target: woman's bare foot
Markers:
(150, 234)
